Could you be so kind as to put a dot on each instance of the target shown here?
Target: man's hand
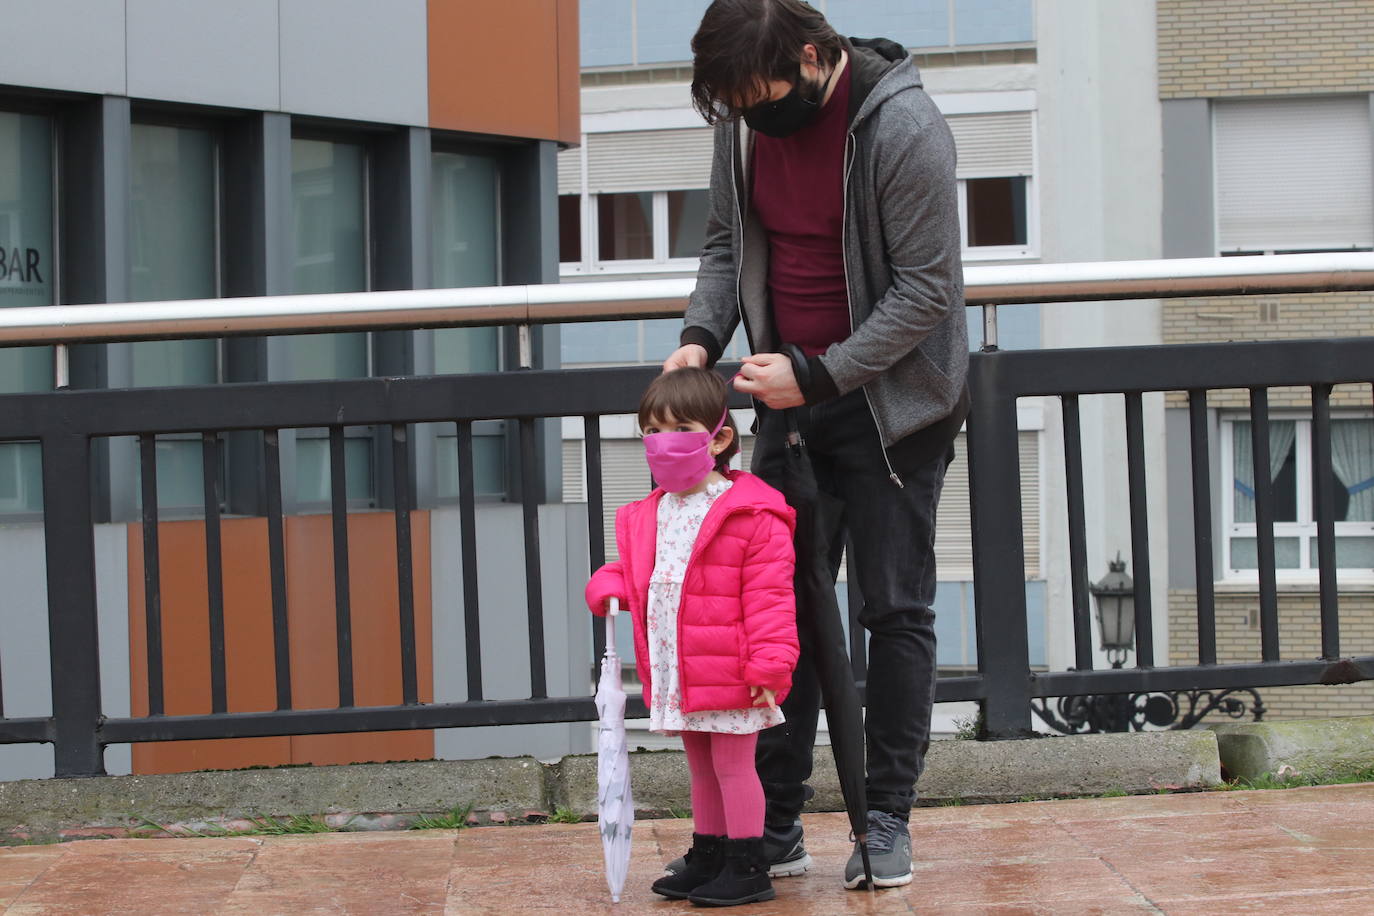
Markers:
(762, 695)
(692, 356)
(769, 377)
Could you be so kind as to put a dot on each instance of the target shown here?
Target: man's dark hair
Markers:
(743, 43)
(690, 394)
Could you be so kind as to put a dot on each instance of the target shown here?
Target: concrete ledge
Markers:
(46, 808)
(972, 770)
(381, 796)
(1319, 748)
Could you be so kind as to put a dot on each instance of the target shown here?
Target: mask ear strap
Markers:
(723, 417)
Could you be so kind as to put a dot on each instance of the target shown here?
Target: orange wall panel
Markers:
(250, 672)
(375, 625)
(508, 68)
(249, 675)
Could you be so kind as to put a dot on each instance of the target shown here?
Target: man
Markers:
(833, 233)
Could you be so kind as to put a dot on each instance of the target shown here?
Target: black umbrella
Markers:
(820, 630)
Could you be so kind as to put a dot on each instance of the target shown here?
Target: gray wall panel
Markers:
(65, 44)
(112, 598)
(25, 665)
(1188, 214)
(204, 51)
(505, 653)
(352, 59)
(24, 661)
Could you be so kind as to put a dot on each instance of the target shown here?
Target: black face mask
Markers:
(787, 115)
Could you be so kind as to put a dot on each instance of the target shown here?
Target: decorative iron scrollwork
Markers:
(1122, 712)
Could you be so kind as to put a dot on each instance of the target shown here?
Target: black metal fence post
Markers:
(72, 626)
(999, 561)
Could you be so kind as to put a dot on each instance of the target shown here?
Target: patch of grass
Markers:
(968, 728)
(562, 815)
(296, 823)
(955, 802)
(1288, 778)
(679, 813)
(455, 819)
(1114, 793)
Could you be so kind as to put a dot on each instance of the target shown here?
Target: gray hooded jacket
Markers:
(908, 347)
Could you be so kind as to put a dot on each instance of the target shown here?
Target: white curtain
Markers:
(1281, 436)
(1352, 457)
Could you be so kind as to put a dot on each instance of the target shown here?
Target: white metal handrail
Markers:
(985, 285)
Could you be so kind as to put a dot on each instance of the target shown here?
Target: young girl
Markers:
(705, 570)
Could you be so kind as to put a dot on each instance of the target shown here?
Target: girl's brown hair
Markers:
(742, 44)
(690, 394)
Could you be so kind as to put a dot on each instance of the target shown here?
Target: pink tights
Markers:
(727, 797)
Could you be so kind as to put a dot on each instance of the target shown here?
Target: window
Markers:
(633, 230)
(1292, 474)
(329, 191)
(994, 212)
(467, 252)
(645, 202)
(1293, 175)
(996, 190)
(174, 254)
(27, 278)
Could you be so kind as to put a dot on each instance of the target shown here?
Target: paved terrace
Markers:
(1305, 851)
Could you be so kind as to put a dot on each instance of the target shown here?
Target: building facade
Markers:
(1267, 135)
(182, 149)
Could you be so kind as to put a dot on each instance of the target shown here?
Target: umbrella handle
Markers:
(613, 608)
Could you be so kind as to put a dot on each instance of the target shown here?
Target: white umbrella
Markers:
(615, 807)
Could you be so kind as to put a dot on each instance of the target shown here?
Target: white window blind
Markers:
(624, 478)
(993, 145)
(1294, 173)
(953, 529)
(570, 171)
(649, 160)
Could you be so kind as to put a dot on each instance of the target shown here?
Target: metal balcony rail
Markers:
(67, 424)
(988, 286)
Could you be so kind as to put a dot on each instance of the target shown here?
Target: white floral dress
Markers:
(679, 522)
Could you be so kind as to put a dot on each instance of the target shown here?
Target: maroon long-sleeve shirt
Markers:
(799, 198)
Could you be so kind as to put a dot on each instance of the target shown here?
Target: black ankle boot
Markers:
(743, 877)
(703, 864)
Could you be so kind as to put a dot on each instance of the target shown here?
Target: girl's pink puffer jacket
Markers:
(737, 625)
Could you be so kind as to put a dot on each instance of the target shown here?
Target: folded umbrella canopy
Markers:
(615, 806)
(820, 630)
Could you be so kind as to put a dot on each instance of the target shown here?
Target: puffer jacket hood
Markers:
(737, 624)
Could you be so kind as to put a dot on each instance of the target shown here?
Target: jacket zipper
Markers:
(849, 145)
(736, 169)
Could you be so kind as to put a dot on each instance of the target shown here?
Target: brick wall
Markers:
(1284, 317)
(1238, 640)
(1215, 48)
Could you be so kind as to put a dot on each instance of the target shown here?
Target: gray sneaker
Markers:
(889, 852)
(782, 847)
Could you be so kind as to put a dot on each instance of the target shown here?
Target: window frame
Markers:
(1027, 252)
(159, 116)
(445, 436)
(592, 264)
(1305, 528)
(365, 140)
(27, 105)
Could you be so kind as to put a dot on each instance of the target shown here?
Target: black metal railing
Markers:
(69, 424)
(998, 379)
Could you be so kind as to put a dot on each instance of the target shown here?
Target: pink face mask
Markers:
(680, 461)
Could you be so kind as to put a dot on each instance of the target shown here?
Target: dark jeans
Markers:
(893, 535)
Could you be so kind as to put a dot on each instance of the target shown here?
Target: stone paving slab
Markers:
(1300, 851)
